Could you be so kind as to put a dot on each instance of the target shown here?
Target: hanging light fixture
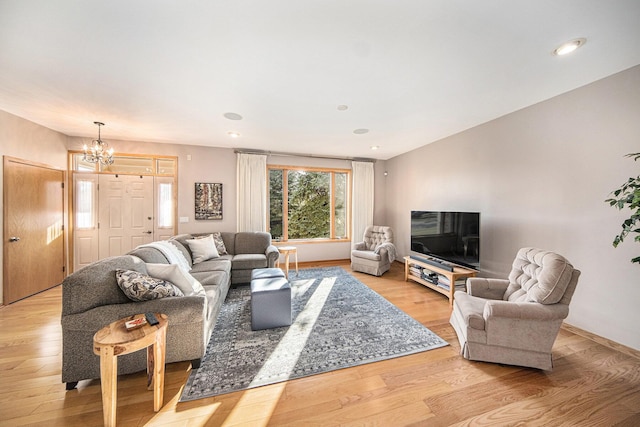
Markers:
(99, 150)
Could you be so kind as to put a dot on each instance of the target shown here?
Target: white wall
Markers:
(539, 177)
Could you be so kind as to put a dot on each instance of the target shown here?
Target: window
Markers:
(306, 203)
(165, 205)
(85, 204)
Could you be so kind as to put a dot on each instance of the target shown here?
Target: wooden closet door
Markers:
(34, 257)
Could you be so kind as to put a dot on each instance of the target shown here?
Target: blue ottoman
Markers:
(266, 273)
(270, 303)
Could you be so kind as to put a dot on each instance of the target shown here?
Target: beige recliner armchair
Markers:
(516, 321)
(375, 253)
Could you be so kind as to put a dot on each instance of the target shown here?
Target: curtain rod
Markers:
(315, 156)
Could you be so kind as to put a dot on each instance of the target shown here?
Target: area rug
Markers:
(338, 323)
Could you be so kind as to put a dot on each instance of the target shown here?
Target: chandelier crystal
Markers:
(99, 150)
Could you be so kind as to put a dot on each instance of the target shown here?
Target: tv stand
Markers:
(452, 275)
(433, 262)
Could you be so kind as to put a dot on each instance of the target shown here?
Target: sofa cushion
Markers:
(370, 255)
(249, 261)
(218, 264)
(209, 278)
(203, 249)
(140, 287)
(149, 255)
(252, 242)
(174, 274)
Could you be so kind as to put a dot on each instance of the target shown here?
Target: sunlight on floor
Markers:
(171, 410)
(286, 354)
(283, 358)
(255, 407)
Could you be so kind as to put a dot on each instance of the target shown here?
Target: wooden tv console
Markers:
(457, 273)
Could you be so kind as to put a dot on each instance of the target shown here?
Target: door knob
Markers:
(148, 232)
(14, 239)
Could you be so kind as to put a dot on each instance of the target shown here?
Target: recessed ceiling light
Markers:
(569, 46)
(233, 134)
(375, 147)
(342, 107)
(360, 131)
(233, 116)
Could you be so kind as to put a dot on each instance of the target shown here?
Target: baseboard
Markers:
(604, 341)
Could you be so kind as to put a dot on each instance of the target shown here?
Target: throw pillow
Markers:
(188, 284)
(217, 239)
(140, 287)
(203, 249)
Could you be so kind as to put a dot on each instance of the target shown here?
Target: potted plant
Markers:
(628, 196)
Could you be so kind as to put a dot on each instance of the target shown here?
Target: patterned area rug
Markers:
(338, 323)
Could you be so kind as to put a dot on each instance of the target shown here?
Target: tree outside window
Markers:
(308, 204)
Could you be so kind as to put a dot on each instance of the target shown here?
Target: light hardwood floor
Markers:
(590, 385)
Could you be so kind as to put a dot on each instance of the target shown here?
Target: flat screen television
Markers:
(453, 237)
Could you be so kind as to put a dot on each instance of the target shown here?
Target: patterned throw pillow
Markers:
(217, 239)
(140, 287)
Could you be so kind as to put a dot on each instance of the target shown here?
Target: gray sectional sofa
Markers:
(91, 299)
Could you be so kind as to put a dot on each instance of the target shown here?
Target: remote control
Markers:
(151, 319)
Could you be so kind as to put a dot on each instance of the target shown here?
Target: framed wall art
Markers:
(208, 201)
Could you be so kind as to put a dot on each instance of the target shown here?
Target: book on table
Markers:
(135, 323)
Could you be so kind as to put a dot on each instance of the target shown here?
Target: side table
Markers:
(115, 340)
(286, 251)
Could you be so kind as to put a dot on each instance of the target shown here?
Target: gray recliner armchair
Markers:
(375, 253)
(515, 321)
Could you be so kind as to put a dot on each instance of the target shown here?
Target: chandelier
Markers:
(98, 151)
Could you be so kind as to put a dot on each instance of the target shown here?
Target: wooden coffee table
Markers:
(115, 340)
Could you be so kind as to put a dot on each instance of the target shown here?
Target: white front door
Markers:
(125, 213)
(85, 219)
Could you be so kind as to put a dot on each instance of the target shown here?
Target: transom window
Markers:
(308, 203)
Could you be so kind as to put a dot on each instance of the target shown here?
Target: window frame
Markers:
(285, 203)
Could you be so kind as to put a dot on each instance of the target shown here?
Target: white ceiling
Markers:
(411, 71)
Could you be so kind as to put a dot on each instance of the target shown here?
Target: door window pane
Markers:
(135, 165)
(165, 205)
(85, 203)
(166, 166)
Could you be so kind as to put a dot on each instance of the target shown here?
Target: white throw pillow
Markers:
(188, 284)
(203, 249)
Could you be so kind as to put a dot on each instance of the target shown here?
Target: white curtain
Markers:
(252, 192)
(362, 203)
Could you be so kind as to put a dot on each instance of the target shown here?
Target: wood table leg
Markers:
(286, 264)
(109, 384)
(150, 364)
(158, 369)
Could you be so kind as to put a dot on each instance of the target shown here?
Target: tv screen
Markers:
(447, 236)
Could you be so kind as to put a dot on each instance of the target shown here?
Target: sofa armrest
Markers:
(492, 289)
(524, 310)
(272, 254)
(360, 246)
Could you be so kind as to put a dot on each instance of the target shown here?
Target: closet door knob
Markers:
(14, 239)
